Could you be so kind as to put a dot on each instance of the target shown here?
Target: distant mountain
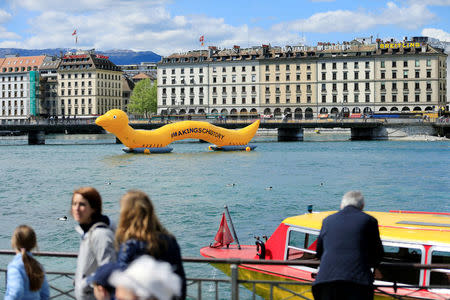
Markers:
(119, 57)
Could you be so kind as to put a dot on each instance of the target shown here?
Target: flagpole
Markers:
(232, 227)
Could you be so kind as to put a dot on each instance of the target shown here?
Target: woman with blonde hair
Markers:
(97, 238)
(25, 275)
(139, 232)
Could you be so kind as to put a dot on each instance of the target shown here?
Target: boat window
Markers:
(400, 254)
(301, 245)
(440, 276)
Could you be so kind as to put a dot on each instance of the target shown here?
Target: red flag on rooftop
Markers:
(74, 32)
(223, 235)
(202, 39)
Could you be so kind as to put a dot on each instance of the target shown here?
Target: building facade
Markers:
(78, 84)
(19, 87)
(127, 89)
(88, 84)
(348, 79)
(48, 87)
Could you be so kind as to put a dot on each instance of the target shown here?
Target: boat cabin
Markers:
(421, 238)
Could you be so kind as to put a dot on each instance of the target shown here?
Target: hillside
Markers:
(119, 57)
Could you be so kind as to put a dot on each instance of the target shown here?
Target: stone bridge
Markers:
(289, 130)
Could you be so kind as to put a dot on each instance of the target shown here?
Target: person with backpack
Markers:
(97, 238)
(140, 232)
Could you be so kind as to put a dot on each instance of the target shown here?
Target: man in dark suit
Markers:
(348, 247)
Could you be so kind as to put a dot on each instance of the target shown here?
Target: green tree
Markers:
(143, 98)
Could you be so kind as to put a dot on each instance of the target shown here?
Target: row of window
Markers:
(89, 83)
(89, 75)
(191, 71)
(101, 101)
(405, 86)
(406, 98)
(15, 78)
(100, 92)
(75, 111)
(12, 112)
(15, 94)
(214, 79)
(214, 90)
(405, 74)
(334, 88)
(405, 63)
(21, 69)
(287, 67)
(276, 77)
(12, 103)
(10, 86)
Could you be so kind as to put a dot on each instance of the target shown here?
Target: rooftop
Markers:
(353, 48)
(21, 63)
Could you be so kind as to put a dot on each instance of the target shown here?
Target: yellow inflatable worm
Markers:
(116, 122)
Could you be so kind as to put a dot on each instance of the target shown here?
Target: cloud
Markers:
(4, 16)
(431, 2)
(139, 25)
(6, 35)
(411, 17)
(70, 6)
(149, 25)
(437, 34)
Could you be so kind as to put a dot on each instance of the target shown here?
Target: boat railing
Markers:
(61, 282)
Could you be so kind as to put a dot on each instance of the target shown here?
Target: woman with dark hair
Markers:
(97, 238)
(25, 275)
(139, 232)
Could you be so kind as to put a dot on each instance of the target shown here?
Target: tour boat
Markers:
(409, 237)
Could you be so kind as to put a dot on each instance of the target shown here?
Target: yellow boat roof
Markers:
(417, 228)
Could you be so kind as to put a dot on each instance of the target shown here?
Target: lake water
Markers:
(189, 187)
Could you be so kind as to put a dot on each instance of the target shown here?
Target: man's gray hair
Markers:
(353, 198)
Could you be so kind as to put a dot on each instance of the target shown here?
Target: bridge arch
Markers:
(298, 114)
(309, 113)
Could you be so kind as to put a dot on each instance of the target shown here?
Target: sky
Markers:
(172, 26)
